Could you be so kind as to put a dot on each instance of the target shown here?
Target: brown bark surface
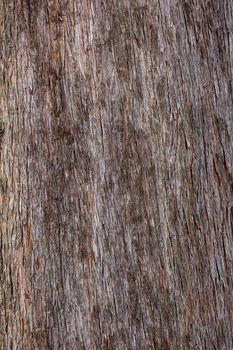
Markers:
(116, 174)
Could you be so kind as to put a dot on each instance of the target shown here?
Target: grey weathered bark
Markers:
(116, 174)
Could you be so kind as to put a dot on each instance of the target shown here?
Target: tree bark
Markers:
(116, 174)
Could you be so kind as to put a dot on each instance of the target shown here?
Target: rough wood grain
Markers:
(116, 174)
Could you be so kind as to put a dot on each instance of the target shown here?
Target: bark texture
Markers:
(116, 174)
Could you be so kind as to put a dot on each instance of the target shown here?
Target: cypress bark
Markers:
(116, 174)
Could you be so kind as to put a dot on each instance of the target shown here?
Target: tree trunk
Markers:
(116, 174)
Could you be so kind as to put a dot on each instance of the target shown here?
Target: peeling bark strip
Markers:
(116, 174)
